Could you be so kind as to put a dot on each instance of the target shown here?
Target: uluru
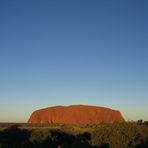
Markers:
(76, 114)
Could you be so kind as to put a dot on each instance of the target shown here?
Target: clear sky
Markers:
(63, 52)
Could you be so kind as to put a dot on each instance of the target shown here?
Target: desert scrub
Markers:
(119, 135)
(39, 135)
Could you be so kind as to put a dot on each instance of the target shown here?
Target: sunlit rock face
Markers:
(76, 114)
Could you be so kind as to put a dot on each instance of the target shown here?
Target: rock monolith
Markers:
(75, 114)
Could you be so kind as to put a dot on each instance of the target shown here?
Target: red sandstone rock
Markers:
(76, 114)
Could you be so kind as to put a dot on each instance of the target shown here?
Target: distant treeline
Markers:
(117, 135)
(141, 122)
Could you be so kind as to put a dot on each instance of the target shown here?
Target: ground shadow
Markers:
(15, 137)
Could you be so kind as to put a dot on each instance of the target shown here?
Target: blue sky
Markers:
(73, 52)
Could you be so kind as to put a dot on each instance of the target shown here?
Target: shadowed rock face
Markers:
(75, 114)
